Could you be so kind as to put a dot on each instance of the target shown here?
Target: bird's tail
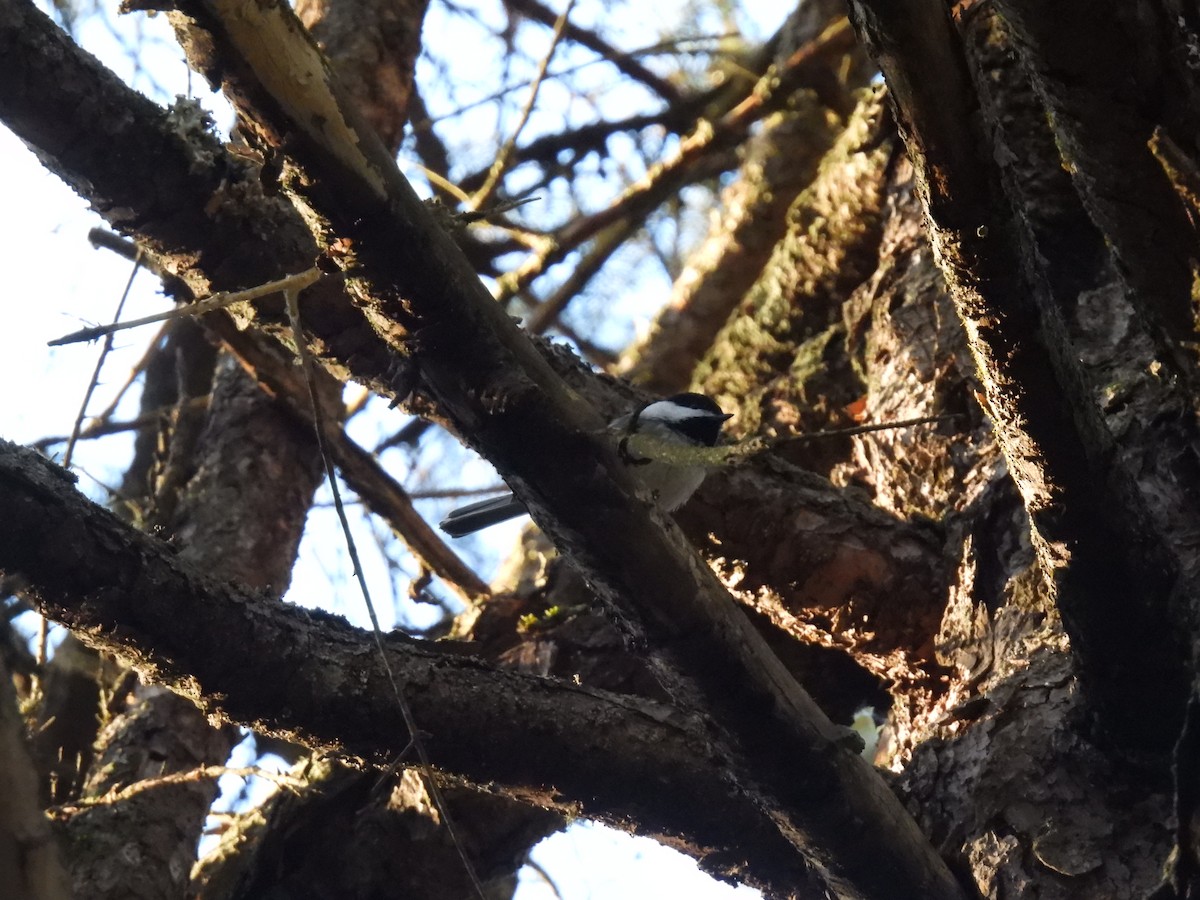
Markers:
(471, 518)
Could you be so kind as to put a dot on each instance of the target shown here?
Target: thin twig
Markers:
(359, 469)
(409, 433)
(482, 197)
(610, 240)
(457, 493)
(640, 446)
(135, 372)
(544, 875)
(625, 63)
(425, 769)
(95, 379)
(200, 773)
(77, 428)
(865, 429)
(694, 45)
(1181, 170)
(667, 176)
(217, 301)
(102, 427)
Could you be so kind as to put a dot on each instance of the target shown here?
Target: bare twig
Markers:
(545, 876)
(101, 426)
(200, 773)
(95, 379)
(222, 300)
(865, 429)
(664, 179)
(645, 446)
(625, 63)
(481, 197)
(292, 296)
(607, 242)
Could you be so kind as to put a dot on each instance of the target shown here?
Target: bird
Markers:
(688, 419)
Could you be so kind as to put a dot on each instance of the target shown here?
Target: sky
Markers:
(53, 282)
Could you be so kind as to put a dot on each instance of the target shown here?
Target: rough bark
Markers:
(1092, 529)
(999, 594)
(373, 48)
(769, 359)
(311, 678)
(325, 840)
(30, 862)
(777, 163)
(241, 514)
(491, 382)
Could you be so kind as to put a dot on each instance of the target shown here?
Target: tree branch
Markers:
(827, 793)
(311, 678)
(1095, 539)
(419, 293)
(624, 62)
(1103, 117)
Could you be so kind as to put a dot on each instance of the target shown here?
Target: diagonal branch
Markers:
(360, 469)
(202, 207)
(418, 291)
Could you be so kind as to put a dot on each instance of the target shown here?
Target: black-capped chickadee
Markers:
(688, 419)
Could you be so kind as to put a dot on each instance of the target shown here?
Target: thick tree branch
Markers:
(1093, 533)
(826, 566)
(501, 411)
(380, 492)
(161, 177)
(66, 105)
(777, 162)
(1103, 117)
(313, 679)
(421, 296)
(374, 46)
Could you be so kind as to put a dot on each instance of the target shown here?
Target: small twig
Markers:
(95, 379)
(409, 433)
(173, 285)
(457, 493)
(471, 216)
(625, 63)
(607, 242)
(679, 46)
(1180, 169)
(101, 427)
(200, 773)
(644, 447)
(217, 301)
(500, 166)
(425, 768)
(667, 176)
(545, 876)
(864, 429)
(43, 647)
(438, 181)
(134, 372)
(359, 469)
